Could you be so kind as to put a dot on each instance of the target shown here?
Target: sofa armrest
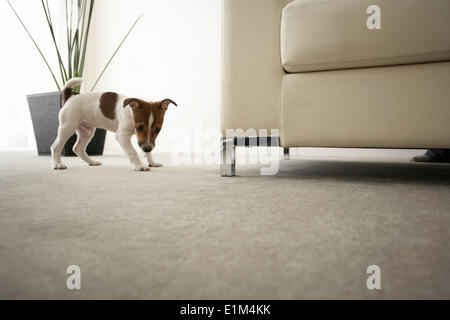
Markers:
(251, 64)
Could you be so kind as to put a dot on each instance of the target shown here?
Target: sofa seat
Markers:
(329, 34)
(405, 106)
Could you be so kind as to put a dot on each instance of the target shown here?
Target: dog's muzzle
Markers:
(147, 148)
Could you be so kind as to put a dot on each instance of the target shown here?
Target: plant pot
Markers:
(44, 109)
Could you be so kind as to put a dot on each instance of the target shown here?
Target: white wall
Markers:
(173, 52)
(22, 69)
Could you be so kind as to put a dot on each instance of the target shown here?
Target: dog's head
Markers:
(148, 119)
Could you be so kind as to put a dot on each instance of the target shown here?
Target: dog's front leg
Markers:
(151, 162)
(124, 139)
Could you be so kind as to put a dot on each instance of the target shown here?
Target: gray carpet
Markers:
(183, 232)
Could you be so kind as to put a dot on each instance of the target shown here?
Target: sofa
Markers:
(321, 73)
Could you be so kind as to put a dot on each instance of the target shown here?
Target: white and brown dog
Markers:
(123, 115)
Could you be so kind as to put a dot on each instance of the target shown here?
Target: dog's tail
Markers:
(67, 90)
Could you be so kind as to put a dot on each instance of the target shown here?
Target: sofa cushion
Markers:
(404, 106)
(330, 34)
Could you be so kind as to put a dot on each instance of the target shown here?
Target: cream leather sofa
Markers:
(315, 72)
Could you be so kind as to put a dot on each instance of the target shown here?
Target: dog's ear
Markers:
(133, 102)
(165, 104)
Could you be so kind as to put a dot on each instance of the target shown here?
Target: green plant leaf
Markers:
(76, 37)
(82, 33)
(85, 39)
(62, 69)
(76, 54)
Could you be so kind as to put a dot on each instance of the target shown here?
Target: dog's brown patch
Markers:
(108, 102)
(66, 94)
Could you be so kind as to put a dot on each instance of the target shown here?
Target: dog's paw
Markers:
(141, 168)
(59, 166)
(155, 164)
(95, 163)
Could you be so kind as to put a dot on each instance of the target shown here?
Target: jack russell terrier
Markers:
(125, 116)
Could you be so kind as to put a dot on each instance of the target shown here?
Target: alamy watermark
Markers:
(374, 20)
(73, 281)
(374, 280)
(198, 146)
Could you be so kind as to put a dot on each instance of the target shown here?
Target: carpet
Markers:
(184, 232)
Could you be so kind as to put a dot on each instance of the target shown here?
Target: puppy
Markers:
(123, 115)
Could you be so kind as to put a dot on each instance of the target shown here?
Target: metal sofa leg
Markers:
(227, 158)
(286, 154)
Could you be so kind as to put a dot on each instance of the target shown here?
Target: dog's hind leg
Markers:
(65, 131)
(84, 136)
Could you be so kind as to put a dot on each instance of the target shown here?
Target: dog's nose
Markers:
(147, 149)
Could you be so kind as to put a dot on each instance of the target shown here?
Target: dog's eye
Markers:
(158, 130)
(140, 128)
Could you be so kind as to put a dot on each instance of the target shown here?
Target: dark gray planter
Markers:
(44, 109)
